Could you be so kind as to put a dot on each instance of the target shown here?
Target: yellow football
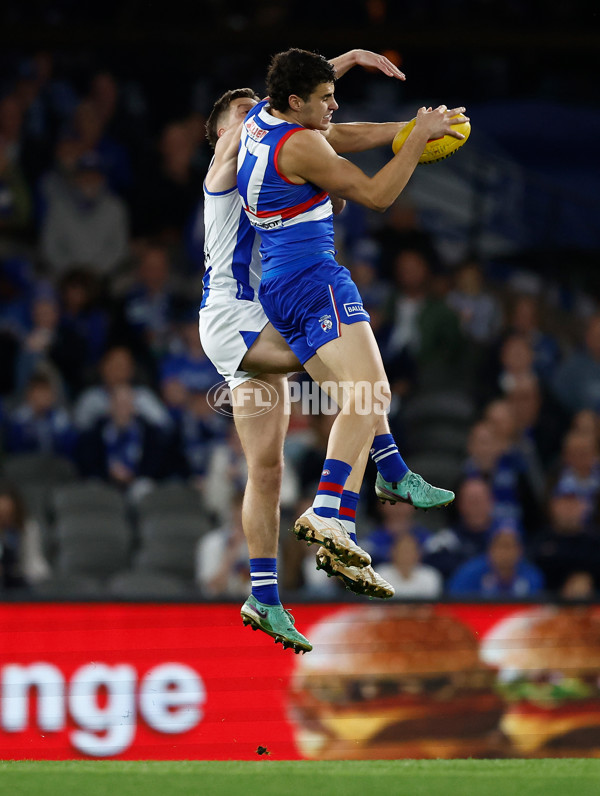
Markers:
(437, 148)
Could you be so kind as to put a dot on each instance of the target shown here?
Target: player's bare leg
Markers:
(270, 347)
(270, 354)
(360, 580)
(355, 360)
(262, 437)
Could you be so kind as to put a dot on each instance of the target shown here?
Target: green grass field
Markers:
(286, 778)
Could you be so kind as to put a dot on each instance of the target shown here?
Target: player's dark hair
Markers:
(221, 106)
(296, 72)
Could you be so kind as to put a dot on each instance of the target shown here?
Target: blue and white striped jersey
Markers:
(231, 255)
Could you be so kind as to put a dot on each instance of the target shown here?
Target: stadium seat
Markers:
(98, 545)
(167, 498)
(438, 437)
(170, 559)
(151, 585)
(37, 501)
(94, 557)
(69, 587)
(100, 525)
(36, 497)
(39, 468)
(175, 527)
(448, 406)
(89, 496)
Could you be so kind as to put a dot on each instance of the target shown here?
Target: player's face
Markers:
(317, 111)
(238, 109)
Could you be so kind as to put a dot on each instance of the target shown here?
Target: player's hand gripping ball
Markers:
(437, 148)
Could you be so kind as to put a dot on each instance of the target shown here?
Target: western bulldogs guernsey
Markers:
(232, 260)
(295, 222)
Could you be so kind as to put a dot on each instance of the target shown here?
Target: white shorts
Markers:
(227, 331)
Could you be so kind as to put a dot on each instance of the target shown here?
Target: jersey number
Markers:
(253, 159)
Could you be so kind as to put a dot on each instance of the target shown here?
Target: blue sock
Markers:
(329, 494)
(387, 458)
(263, 573)
(348, 512)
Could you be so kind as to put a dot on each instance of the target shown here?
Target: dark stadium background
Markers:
(526, 67)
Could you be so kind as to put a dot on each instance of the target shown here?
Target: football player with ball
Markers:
(246, 344)
(243, 345)
(288, 166)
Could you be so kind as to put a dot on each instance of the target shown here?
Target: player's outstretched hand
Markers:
(438, 121)
(367, 58)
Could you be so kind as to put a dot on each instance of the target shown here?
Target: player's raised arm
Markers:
(223, 129)
(307, 156)
(366, 58)
(359, 136)
(228, 143)
(221, 175)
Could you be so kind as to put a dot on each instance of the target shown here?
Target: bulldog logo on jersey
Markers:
(326, 323)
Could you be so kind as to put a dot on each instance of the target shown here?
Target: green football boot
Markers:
(276, 622)
(412, 489)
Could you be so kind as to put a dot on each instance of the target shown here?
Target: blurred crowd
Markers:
(495, 371)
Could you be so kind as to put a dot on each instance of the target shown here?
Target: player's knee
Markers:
(266, 474)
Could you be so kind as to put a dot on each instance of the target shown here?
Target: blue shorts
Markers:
(308, 306)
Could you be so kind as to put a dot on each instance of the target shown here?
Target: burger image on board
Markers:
(393, 682)
(548, 663)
